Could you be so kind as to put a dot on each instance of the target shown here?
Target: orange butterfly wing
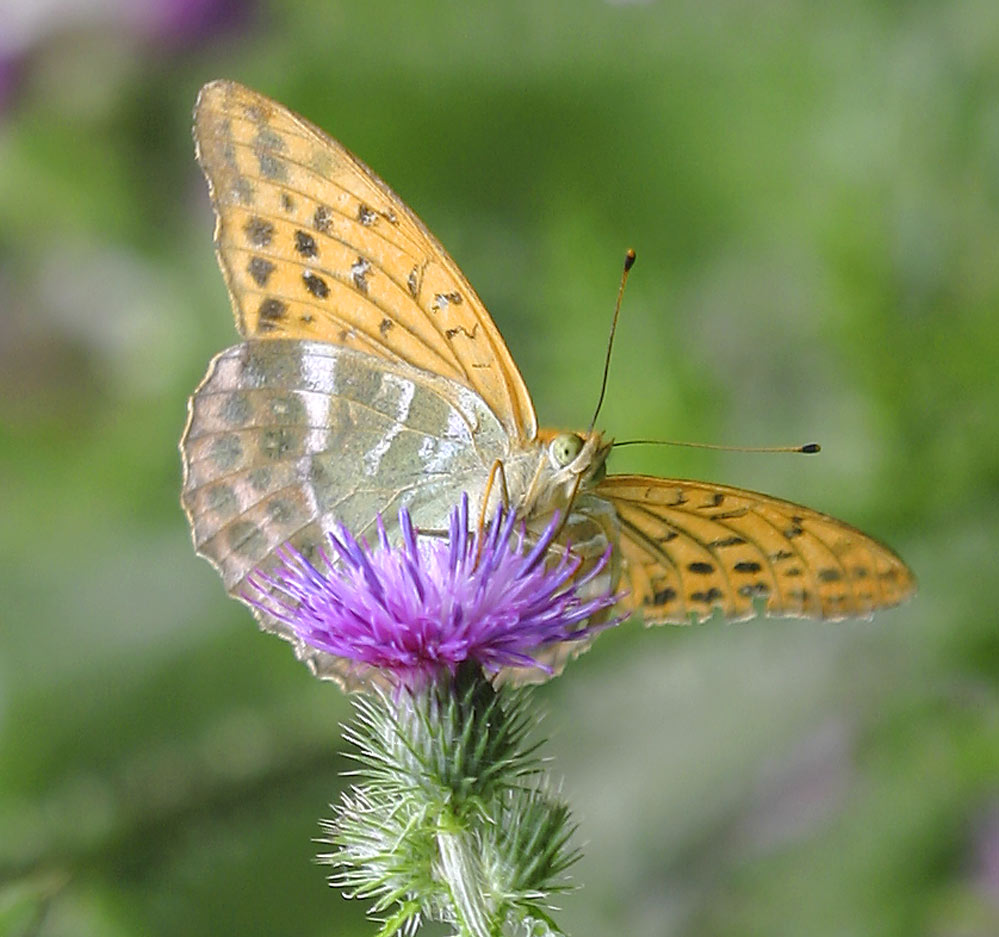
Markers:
(691, 547)
(313, 245)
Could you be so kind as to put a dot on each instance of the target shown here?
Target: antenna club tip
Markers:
(629, 259)
(811, 447)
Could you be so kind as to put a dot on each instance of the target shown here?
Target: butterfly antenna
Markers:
(808, 448)
(629, 262)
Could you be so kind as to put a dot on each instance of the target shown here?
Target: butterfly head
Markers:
(580, 456)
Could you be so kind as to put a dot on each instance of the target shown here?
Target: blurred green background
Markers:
(812, 191)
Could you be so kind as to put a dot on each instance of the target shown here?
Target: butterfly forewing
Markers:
(313, 245)
(690, 548)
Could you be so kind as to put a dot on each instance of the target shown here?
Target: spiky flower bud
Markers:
(450, 817)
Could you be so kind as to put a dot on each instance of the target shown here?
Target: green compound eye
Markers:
(564, 448)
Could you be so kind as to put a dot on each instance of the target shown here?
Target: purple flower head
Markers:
(424, 607)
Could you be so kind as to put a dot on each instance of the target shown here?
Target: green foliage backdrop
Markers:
(812, 192)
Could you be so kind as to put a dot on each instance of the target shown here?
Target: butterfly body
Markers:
(371, 377)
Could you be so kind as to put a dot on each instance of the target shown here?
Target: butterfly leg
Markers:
(496, 472)
(568, 551)
(568, 507)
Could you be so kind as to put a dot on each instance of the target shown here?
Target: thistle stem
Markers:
(461, 870)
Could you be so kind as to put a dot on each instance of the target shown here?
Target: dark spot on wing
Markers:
(227, 451)
(258, 231)
(287, 202)
(228, 150)
(305, 244)
(255, 113)
(270, 311)
(365, 215)
(781, 555)
(701, 568)
(266, 144)
(283, 511)
(259, 478)
(443, 300)
(316, 285)
(287, 408)
(276, 443)
(384, 326)
(793, 572)
(413, 282)
(663, 596)
(359, 271)
(728, 515)
(260, 269)
(322, 218)
(727, 542)
(754, 588)
(711, 595)
(243, 190)
(221, 498)
(459, 329)
(795, 530)
(235, 410)
(714, 501)
(318, 472)
(747, 566)
(271, 166)
(666, 537)
(830, 575)
(267, 139)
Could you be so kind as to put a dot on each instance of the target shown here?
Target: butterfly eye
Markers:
(564, 448)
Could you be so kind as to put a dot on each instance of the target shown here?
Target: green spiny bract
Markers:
(449, 817)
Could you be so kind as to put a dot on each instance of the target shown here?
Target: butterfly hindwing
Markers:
(288, 439)
(313, 245)
(689, 548)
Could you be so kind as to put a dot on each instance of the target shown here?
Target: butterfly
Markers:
(371, 377)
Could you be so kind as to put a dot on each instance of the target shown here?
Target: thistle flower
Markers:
(450, 816)
(419, 610)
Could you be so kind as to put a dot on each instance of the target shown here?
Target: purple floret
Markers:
(426, 605)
